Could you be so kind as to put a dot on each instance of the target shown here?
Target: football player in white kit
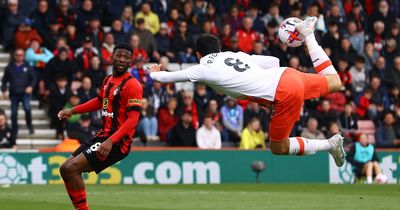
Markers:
(260, 79)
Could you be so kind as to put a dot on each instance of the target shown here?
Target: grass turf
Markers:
(225, 196)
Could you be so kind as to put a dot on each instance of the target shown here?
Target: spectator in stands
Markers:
(394, 33)
(107, 49)
(358, 16)
(112, 10)
(370, 55)
(364, 159)
(137, 51)
(201, 96)
(379, 69)
(255, 111)
(325, 116)
(335, 15)
(141, 74)
(387, 135)
(213, 17)
(59, 95)
(312, 132)
(272, 15)
(7, 140)
(148, 121)
(59, 65)
(117, 30)
(233, 19)
(19, 80)
(163, 42)
(54, 33)
(258, 23)
(151, 19)
(252, 136)
(331, 39)
(167, 118)
(73, 122)
(157, 95)
(86, 91)
(174, 18)
(358, 75)
(378, 36)
(84, 132)
(232, 119)
(259, 49)
(95, 31)
(379, 92)
(183, 133)
(383, 14)
(389, 52)
(188, 105)
(394, 97)
(84, 14)
(161, 8)
(333, 129)
(356, 38)
(127, 19)
(363, 104)
(208, 136)
(225, 37)
(199, 7)
(247, 36)
(344, 74)
(348, 120)
(182, 44)
(147, 41)
(188, 15)
(64, 15)
(85, 53)
(25, 33)
(72, 37)
(346, 51)
(12, 19)
(41, 17)
(96, 73)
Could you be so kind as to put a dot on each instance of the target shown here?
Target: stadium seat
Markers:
(174, 67)
(366, 126)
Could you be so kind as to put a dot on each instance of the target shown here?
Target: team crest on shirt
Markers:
(105, 103)
(116, 91)
(134, 102)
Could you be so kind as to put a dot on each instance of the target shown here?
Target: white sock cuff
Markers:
(321, 62)
(294, 146)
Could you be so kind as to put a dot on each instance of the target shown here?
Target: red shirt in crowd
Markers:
(166, 121)
(246, 40)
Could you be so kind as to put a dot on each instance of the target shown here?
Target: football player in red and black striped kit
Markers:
(120, 99)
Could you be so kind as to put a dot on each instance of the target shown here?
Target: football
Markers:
(288, 34)
(381, 179)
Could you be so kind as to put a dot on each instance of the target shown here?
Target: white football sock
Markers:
(321, 62)
(303, 146)
(369, 179)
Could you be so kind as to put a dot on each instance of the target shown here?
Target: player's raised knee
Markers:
(334, 82)
(278, 148)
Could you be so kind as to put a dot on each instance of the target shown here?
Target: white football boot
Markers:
(307, 27)
(337, 150)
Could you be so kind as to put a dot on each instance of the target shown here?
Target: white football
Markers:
(288, 34)
(381, 179)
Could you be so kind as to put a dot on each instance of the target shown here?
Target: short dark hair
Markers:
(207, 44)
(124, 46)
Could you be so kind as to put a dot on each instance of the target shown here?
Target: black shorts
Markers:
(98, 165)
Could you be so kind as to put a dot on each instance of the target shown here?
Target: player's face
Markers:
(122, 59)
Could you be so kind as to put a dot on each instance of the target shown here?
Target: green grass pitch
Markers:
(225, 196)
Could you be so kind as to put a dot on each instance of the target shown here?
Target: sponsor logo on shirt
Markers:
(107, 114)
(105, 103)
(134, 102)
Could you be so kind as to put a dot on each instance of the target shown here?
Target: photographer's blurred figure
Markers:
(252, 136)
(364, 159)
(208, 136)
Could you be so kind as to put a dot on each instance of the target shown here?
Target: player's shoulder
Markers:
(133, 84)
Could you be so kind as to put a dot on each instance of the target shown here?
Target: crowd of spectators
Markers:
(61, 51)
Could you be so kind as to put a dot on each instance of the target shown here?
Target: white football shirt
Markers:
(238, 75)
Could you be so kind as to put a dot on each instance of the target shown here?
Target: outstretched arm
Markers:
(265, 62)
(192, 74)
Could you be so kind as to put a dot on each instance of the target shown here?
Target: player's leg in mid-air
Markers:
(71, 172)
(293, 89)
